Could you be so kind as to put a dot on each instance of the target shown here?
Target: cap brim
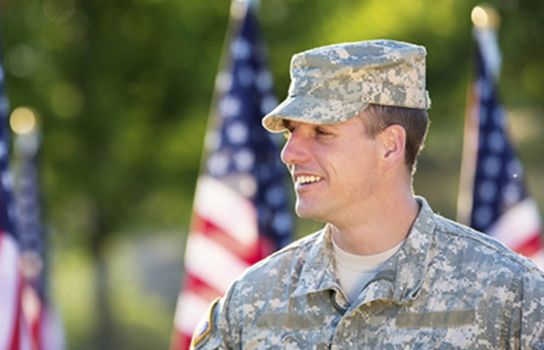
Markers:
(311, 110)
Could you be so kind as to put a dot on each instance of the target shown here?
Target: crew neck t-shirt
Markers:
(355, 271)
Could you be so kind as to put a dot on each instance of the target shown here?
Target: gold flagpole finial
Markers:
(486, 16)
(23, 120)
(238, 9)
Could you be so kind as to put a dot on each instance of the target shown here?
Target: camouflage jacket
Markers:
(448, 287)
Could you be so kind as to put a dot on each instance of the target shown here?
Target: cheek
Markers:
(362, 171)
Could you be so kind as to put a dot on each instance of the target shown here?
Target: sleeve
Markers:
(207, 334)
(532, 312)
(215, 328)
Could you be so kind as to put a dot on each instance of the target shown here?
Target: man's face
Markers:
(335, 169)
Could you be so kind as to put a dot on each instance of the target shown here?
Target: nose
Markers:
(295, 150)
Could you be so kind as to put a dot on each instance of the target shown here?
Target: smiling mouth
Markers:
(305, 180)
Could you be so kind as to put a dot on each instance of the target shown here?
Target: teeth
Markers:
(307, 179)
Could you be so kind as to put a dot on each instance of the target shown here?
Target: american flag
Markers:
(46, 329)
(494, 197)
(240, 210)
(14, 333)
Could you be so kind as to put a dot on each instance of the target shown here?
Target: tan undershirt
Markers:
(354, 271)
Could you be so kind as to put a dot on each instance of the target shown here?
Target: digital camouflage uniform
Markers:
(448, 287)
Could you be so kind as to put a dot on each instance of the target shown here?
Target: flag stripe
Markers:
(200, 287)
(189, 311)
(219, 204)
(215, 265)
(249, 254)
(531, 247)
(8, 292)
(523, 219)
(16, 339)
(538, 258)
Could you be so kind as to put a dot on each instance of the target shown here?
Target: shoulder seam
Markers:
(475, 239)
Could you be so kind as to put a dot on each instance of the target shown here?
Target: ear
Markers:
(393, 141)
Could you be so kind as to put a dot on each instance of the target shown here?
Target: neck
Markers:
(378, 227)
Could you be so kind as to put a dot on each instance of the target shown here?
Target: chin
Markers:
(309, 212)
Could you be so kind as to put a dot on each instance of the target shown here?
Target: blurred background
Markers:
(122, 90)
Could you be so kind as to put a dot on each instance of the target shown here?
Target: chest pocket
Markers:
(455, 318)
(439, 330)
(289, 331)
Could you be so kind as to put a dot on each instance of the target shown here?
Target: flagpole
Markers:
(486, 22)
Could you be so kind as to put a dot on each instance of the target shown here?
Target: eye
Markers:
(322, 132)
(287, 134)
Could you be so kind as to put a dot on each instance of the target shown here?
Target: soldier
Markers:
(385, 272)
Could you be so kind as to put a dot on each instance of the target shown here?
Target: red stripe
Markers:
(192, 283)
(531, 246)
(36, 329)
(16, 336)
(250, 254)
(186, 341)
(199, 287)
(247, 253)
(180, 341)
(223, 238)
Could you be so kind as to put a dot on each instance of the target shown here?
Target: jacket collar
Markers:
(399, 280)
(318, 272)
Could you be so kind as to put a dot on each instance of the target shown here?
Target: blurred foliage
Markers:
(124, 88)
(123, 101)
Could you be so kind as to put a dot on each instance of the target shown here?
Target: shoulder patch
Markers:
(205, 326)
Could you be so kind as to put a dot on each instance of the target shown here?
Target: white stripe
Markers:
(227, 209)
(189, 310)
(8, 289)
(31, 304)
(211, 262)
(519, 224)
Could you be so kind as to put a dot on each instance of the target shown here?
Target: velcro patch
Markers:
(205, 326)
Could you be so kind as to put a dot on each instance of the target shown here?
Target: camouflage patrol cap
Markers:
(332, 84)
